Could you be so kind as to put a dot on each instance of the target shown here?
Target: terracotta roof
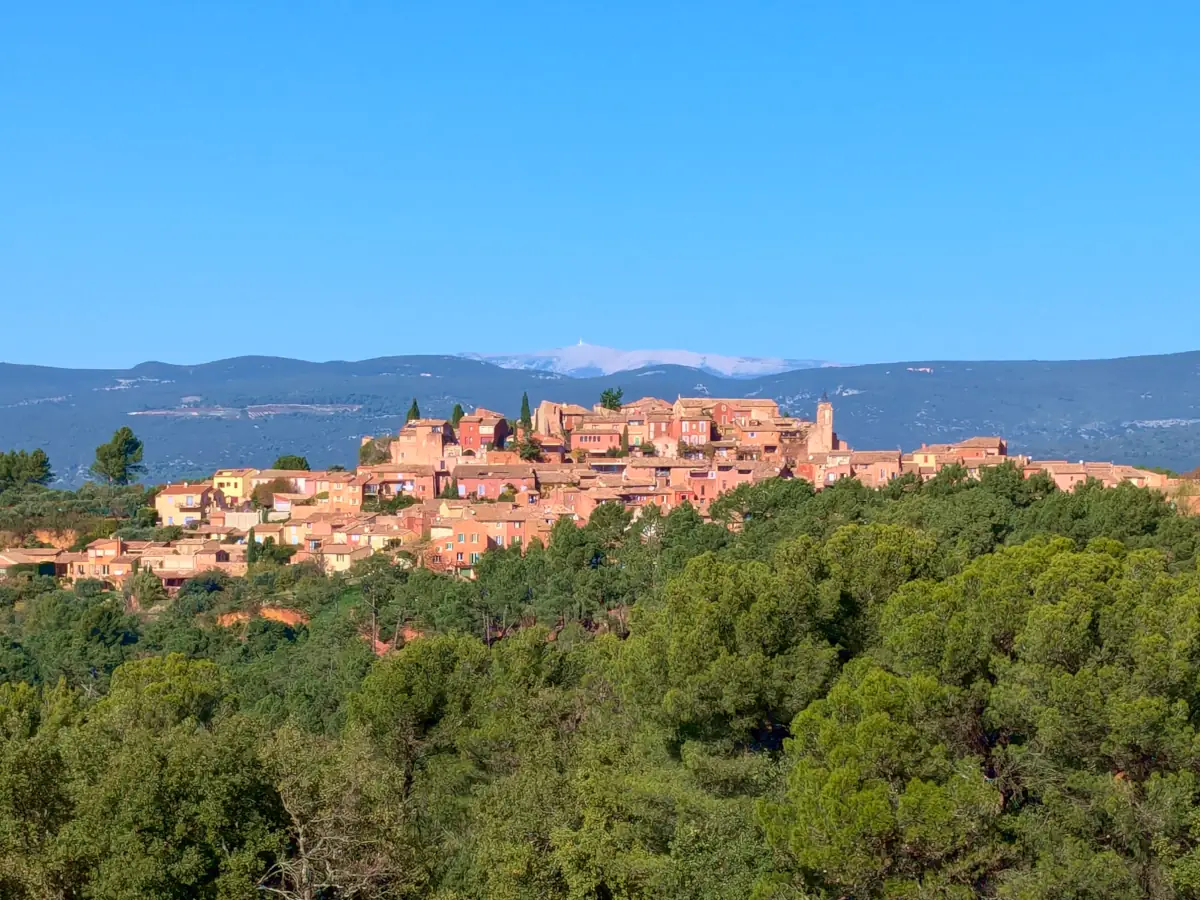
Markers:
(17, 557)
(272, 474)
(866, 457)
(984, 442)
(500, 512)
(187, 488)
(751, 402)
(659, 462)
(500, 470)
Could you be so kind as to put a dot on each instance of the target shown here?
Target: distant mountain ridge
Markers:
(585, 360)
(248, 410)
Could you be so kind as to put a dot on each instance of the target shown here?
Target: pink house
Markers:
(694, 428)
(597, 438)
(488, 482)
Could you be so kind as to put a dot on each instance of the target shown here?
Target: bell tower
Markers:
(823, 436)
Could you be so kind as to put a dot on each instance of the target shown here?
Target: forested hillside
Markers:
(247, 411)
(946, 690)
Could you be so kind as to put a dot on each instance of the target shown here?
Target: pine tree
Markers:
(414, 412)
(610, 398)
(456, 414)
(19, 467)
(120, 460)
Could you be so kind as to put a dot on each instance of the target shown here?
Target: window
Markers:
(462, 538)
(474, 539)
(460, 557)
(449, 545)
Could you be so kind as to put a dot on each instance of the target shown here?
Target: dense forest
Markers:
(942, 690)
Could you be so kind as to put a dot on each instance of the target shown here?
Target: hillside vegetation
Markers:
(247, 411)
(951, 689)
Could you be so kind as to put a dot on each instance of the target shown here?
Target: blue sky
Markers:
(848, 181)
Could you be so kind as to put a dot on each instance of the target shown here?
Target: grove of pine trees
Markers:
(944, 690)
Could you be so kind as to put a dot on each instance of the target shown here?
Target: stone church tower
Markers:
(823, 438)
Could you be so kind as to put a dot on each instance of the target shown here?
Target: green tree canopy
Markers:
(455, 415)
(414, 412)
(21, 467)
(292, 462)
(610, 398)
(529, 449)
(962, 687)
(120, 460)
(526, 416)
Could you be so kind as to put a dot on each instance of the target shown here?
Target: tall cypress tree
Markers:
(456, 414)
(414, 412)
(526, 416)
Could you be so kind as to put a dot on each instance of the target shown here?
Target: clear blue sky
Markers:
(849, 181)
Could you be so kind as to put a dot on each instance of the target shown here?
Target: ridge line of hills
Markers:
(1142, 410)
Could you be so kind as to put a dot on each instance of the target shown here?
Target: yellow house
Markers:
(234, 483)
(381, 539)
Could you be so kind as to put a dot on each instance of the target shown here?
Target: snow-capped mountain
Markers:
(587, 360)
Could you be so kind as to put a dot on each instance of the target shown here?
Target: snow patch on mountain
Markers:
(588, 360)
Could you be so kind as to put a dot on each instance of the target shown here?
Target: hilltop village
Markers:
(444, 491)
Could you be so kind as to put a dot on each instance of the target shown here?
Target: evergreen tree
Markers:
(120, 460)
(457, 414)
(526, 415)
(414, 412)
(20, 467)
(611, 398)
(450, 491)
(529, 449)
(292, 462)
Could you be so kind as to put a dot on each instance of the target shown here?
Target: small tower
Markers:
(823, 438)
